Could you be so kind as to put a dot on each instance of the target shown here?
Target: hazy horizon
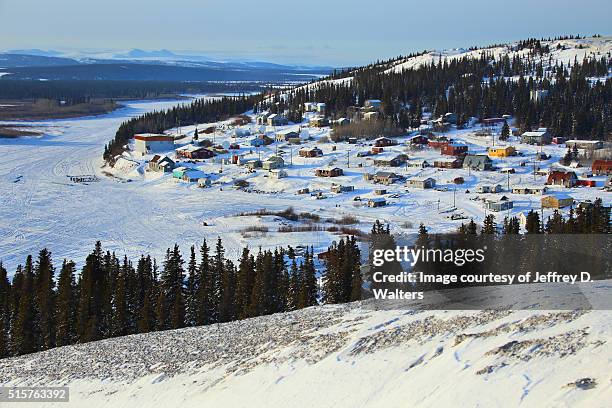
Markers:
(339, 33)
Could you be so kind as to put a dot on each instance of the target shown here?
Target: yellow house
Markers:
(556, 202)
(502, 151)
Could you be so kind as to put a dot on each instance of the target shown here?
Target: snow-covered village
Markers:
(197, 229)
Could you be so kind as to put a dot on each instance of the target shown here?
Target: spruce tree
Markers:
(65, 306)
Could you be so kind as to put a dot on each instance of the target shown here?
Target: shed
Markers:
(421, 182)
(377, 202)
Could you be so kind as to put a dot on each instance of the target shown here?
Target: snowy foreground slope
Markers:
(354, 355)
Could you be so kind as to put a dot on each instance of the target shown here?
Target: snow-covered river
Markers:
(40, 207)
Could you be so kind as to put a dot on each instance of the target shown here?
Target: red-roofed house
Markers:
(562, 178)
(602, 167)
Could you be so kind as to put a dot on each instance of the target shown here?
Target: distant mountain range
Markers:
(137, 64)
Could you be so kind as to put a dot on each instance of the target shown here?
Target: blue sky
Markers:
(334, 32)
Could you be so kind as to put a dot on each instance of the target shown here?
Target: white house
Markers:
(146, 143)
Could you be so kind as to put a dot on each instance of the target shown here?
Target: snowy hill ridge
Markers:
(343, 356)
(561, 51)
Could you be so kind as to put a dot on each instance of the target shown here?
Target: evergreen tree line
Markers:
(112, 296)
(575, 106)
(83, 91)
(546, 245)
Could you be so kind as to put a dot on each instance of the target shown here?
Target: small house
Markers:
(602, 167)
(385, 177)
(370, 115)
(562, 178)
(373, 103)
(329, 172)
(146, 143)
(338, 189)
(310, 152)
(498, 205)
(584, 144)
(161, 164)
(277, 120)
(390, 160)
(262, 119)
(421, 164)
(194, 152)
(342, 122)
(377, 202)
(380, 191)
(273, 162)
(278, 174)
(418, 140)
(352, 140)
(557, 201)
(454, 149)
(251, 164)
(421, 182)
(538, 137)
(319, 121)
(477, 162)
(384, 142)
(192, 175)
(285, 135)
(489, 188)
(501, 151)
(448, 163)
(527, 189)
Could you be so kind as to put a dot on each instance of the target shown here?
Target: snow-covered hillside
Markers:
(561, 51)
(354, 355)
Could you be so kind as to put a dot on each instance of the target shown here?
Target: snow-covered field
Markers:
(353, 355)
(135, 211)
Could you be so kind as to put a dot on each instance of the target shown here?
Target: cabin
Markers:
(380, 191)
(352, 140)
(538, 137)
(477, 162)
(338, 189)
(342, 122)
(262, 119)
(418, 140)
(384, 142)
(454, 149)
(329, 172)
(498, 205)
(585, 144)
(390, 160)
(557, 201)
(194, 152)
(384, 177)
(421, 164)
(562, 178)
(373, 104)
(285, 135)
(377, 202)
(448, 163)
(370, 115)
(277, 120)
(273, 162)
(602, 167)
(310, 152)
(193, 175)
(179, 172)
(489, 188)
(501, 151)
(527, 189)
(251, 164)
(319, 121)
(161, 164)
(146, 143)
(278, 174)
(421, 182)
(438, 143)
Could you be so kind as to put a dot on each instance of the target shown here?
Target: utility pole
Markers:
(455, 197)
(291, 153)
(508, 181)
(348, 158)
